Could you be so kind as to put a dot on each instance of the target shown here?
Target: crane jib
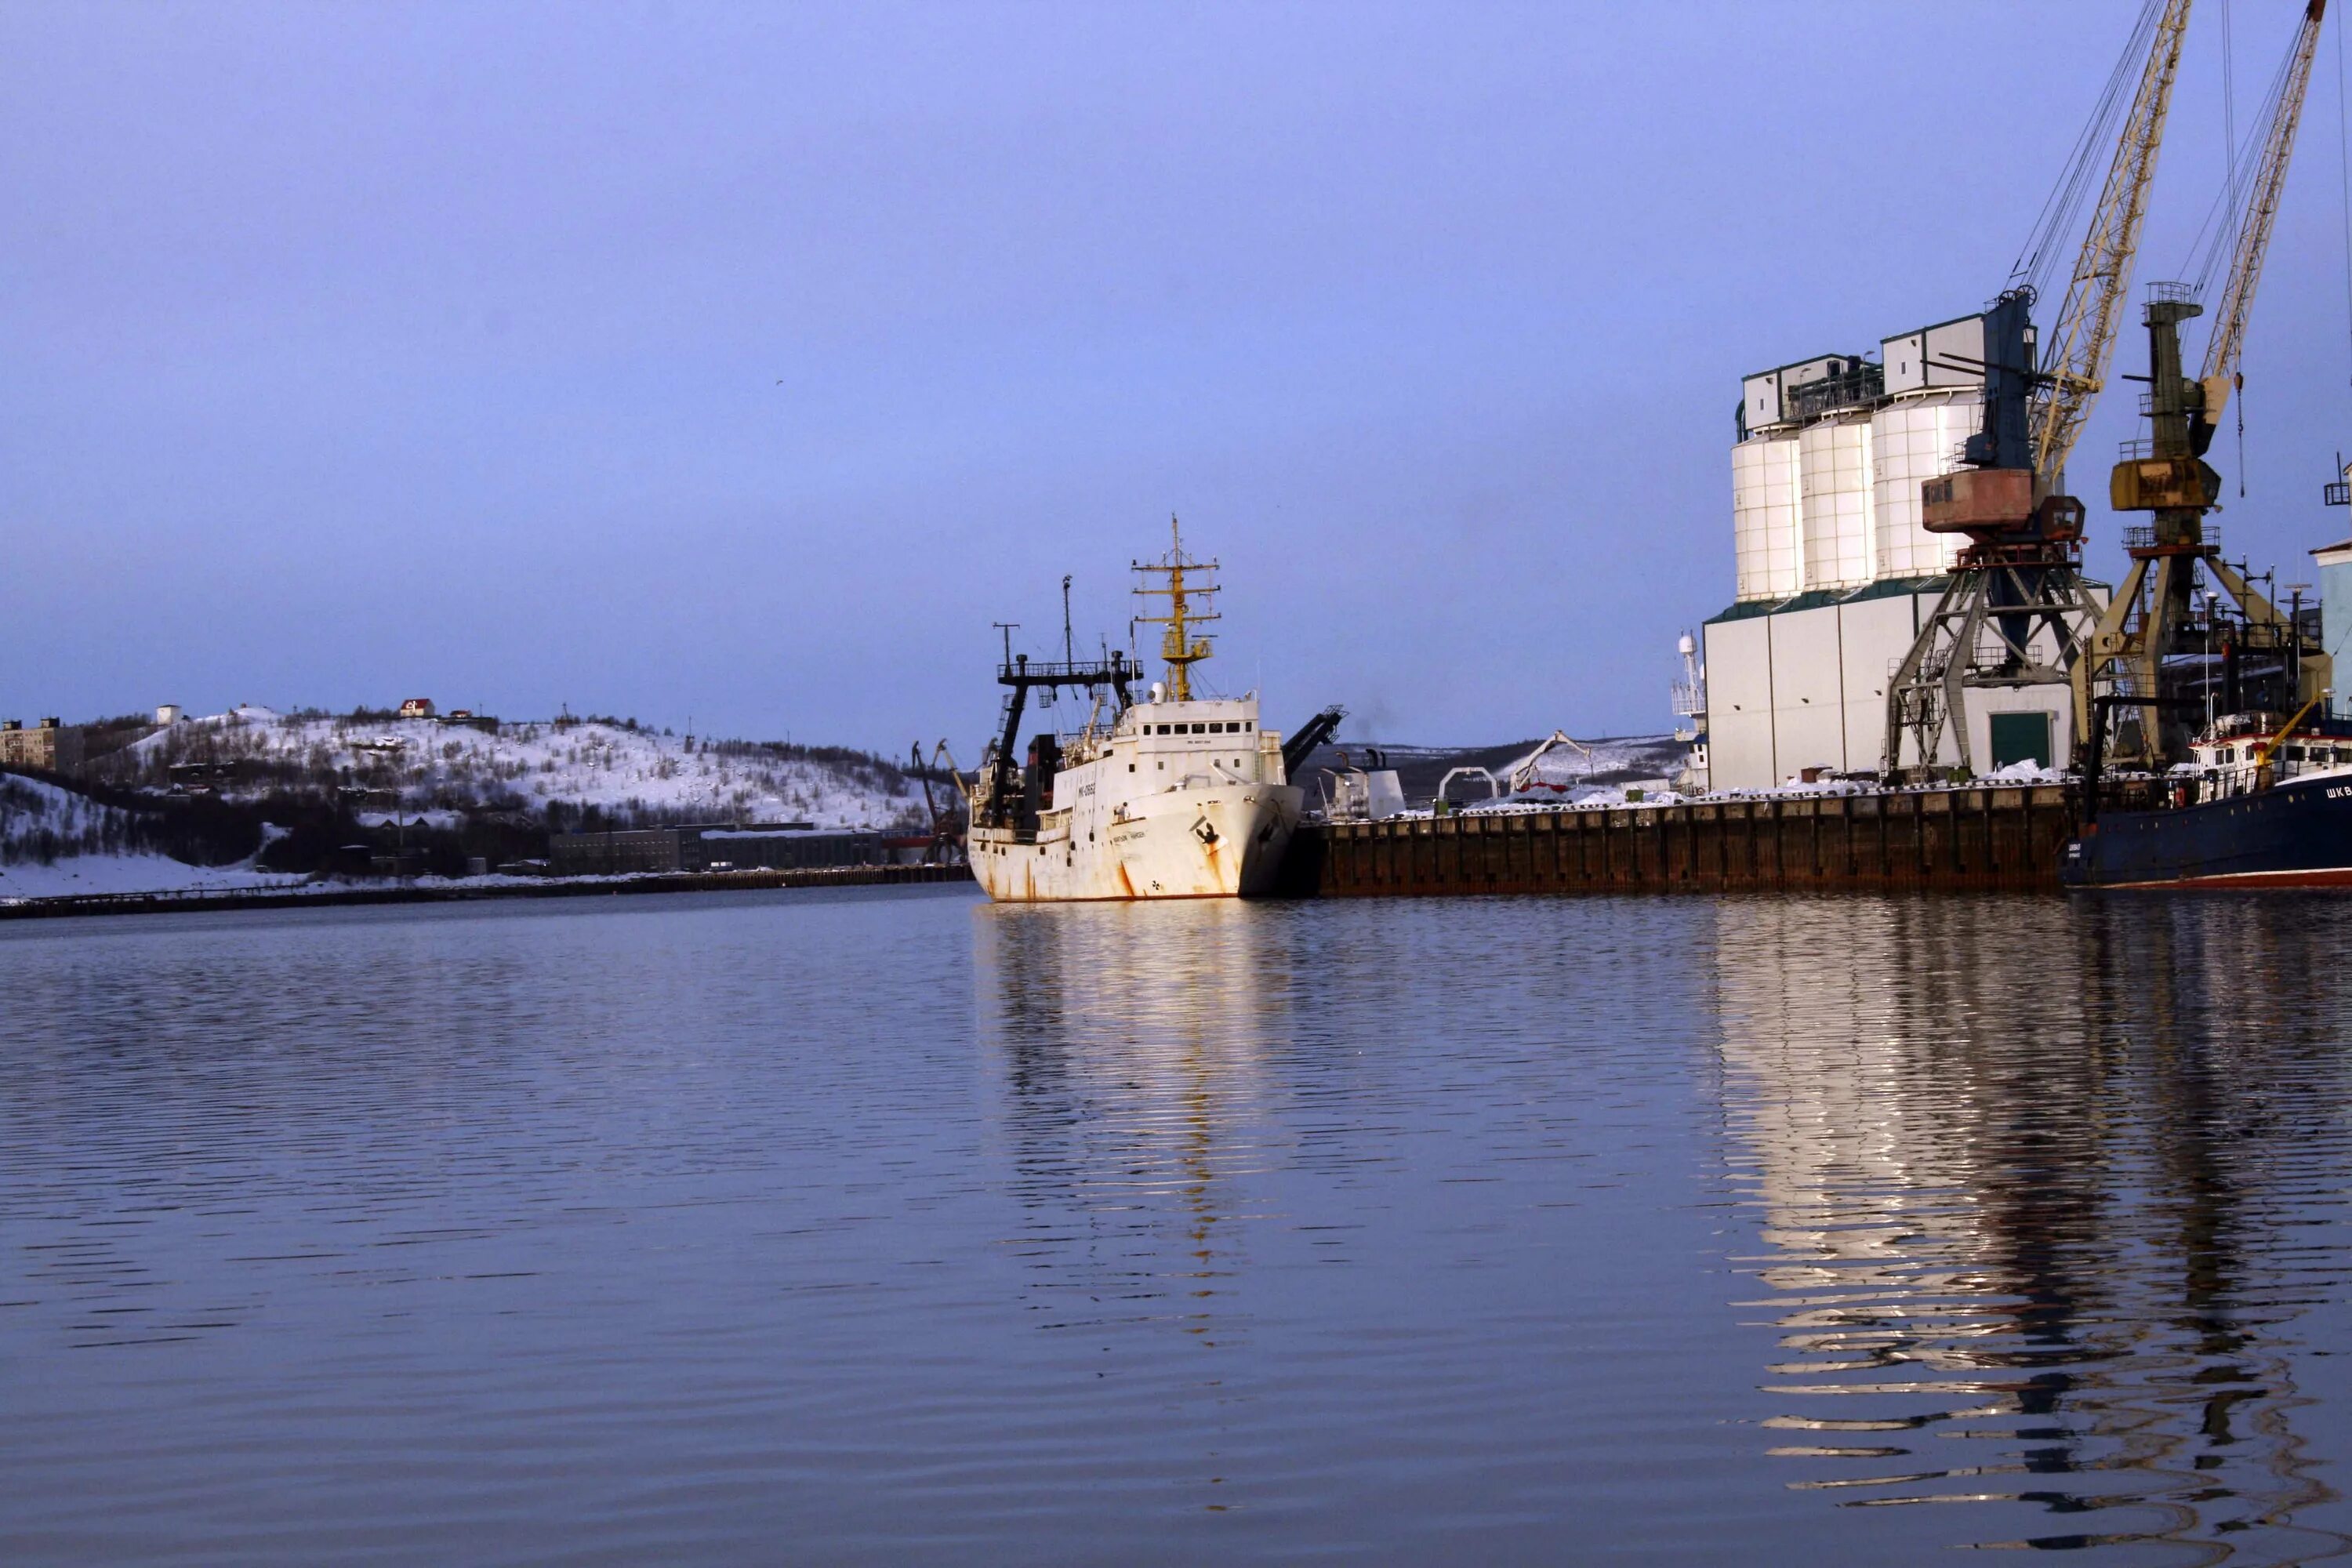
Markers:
(2088, 317)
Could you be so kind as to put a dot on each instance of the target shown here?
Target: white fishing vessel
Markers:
(1175, 796)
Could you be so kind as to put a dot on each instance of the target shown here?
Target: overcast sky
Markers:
(745, 362)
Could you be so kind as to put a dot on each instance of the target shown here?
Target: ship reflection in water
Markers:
(1129, 1039)
(879, 1227)
(2048, 1200)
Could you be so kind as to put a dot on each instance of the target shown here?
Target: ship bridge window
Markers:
(2298, 754)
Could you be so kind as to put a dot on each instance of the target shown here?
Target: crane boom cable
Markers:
(2223, 220)
(2226, 345)
(2344, 180)
(2086, 322)
(2230, 106)
(2059, 208)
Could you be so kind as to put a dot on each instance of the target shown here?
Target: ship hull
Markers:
(2298, 834)
(1189, 843)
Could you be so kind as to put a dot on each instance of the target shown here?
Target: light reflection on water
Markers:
(2043, 1194)
(881, 1227)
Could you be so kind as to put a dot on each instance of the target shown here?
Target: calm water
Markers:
(889, 1226)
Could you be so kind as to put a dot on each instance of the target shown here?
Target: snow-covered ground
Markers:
(75, 875)
(1563, 773)
(450, 768)
(55, 843)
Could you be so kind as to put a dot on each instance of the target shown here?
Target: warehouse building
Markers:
(724, 846)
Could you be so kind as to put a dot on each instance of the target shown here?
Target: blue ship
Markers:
(2263, 805)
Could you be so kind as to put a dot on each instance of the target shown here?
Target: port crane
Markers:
(947, 822)
(2021, 573)
(1518, 776)
(2164, 473)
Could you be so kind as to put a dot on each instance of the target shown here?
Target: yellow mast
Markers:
(1177, 644)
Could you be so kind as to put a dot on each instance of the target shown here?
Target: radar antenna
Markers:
(1186, 581)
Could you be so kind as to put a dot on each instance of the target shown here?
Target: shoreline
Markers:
(83, 904)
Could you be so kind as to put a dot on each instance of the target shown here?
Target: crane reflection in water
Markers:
(2036, 1233)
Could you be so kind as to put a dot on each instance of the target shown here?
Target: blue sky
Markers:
(746, 363)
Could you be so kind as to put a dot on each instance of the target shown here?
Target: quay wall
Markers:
(1926, 840)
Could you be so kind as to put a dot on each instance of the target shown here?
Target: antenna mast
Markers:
(1187, 580)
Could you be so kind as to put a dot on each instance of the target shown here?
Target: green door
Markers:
(2021, 737)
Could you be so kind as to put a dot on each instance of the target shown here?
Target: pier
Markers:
(1923, 840)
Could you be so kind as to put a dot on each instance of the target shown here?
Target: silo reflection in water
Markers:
(2043, 1190)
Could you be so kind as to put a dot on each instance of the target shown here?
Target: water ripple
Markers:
(889, 1226)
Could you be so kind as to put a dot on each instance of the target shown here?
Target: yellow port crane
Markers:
(2165, 474)
(2075, 370)
(2015, 611)
(2223, 349)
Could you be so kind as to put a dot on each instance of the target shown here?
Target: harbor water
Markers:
(888, 1225)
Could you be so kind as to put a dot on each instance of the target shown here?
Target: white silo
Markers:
(1834, 462)
(1918, 439)
(1765, 490)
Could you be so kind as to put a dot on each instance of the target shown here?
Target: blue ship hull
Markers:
(2298, 834)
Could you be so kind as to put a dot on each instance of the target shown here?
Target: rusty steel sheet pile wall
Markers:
(1928, 840)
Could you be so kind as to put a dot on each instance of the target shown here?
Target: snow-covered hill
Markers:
(56, 843)
(628, 773)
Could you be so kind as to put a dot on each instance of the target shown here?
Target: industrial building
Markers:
(724, 846)
(2335, 564)
(49, 746)
(1834, 570)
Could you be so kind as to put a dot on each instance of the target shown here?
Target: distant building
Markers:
(167, 714)
(52, 747)
(611, 854)
(2334, 562)
(418, 707)
(768, 847)
(781, 847)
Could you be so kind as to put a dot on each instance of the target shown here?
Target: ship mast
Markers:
(1186, 580)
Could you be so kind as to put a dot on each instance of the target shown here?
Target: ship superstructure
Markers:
(1173, 796)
